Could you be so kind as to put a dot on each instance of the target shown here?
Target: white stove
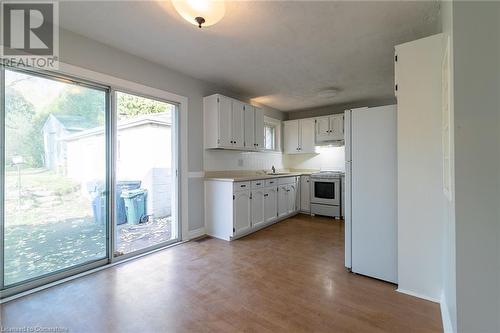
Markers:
(326, 193)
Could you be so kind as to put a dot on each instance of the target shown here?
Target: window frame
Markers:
(276, 123)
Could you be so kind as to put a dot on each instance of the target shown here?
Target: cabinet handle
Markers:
(243, 186)
(257, 183)
(266, 195)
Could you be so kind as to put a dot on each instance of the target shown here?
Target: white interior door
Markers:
(249, 127)
(257, 207)
(225, 122)
(307, 136)
(374, 193)
(291, 136)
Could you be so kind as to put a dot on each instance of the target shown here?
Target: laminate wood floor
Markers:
(289, 277)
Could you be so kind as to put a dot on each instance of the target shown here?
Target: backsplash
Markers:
(331, 158)
(215, 160)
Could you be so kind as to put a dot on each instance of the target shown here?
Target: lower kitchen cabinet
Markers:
(270, 204)
(235, 209)
(242, 212)
(305, 194)
(257, 199)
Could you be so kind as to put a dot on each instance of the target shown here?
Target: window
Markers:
(269, 137)
(272, 134)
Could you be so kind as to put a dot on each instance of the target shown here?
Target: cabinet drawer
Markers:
(258, 183)
(271, 182)
(286, 180)
(241, 186)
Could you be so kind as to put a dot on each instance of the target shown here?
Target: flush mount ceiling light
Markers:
(200, 12)
(328, 93)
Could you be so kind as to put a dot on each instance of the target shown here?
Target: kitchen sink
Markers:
(278, 173)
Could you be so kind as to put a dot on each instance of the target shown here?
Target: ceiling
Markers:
(280, 53)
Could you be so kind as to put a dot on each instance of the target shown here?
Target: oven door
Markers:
(325, 191)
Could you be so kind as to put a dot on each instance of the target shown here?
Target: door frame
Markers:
(113, 84)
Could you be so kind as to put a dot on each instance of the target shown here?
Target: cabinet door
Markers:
(249, 121)
(322, 128)
(270, 204)
(241, 212)
(291, 136)
(259, 128)
(291, 192)
(257, 207)
(225, 121)
(282, 200)
(305, 194)
(337, 127)
(306, 127)
(238, 124)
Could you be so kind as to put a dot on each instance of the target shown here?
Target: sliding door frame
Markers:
(19, 287)
(175, 162)
(81, 76)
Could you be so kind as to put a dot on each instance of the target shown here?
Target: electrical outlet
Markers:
(240, 162)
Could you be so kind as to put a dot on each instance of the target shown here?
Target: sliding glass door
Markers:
(145, 178)
(54, 175)
(88, 176)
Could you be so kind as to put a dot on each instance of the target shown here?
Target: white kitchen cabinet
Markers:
(291, 198)
(299, 136)
(305, 194)
(282, 200)
(235, 209)
(259, 128)
(241, 212)
(254, 128)
(291, 136)
(231, 124)
(238, 124)
(329, 128)
(270, 204)
(257, 198)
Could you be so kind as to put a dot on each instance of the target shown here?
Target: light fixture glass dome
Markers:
(202, 13)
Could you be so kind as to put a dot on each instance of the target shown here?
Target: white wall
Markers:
(218, 160)
(420, 168)
(329, 158)
(476, 44)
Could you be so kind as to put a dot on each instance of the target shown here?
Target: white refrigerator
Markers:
(371, 192)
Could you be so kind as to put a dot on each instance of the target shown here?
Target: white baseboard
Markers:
(414, 294)
(197, 233)
(445, 316)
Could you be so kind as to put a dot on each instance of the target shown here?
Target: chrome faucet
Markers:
(274, 169)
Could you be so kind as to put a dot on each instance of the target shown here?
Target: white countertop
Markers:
(235, 176)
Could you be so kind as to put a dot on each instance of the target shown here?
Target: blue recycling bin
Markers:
(135, 205)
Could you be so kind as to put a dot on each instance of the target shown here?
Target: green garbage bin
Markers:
(135, 205)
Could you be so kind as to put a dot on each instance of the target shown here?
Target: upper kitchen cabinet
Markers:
(231, 124)
(329, 129)
(254, 128)
(299, 136)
